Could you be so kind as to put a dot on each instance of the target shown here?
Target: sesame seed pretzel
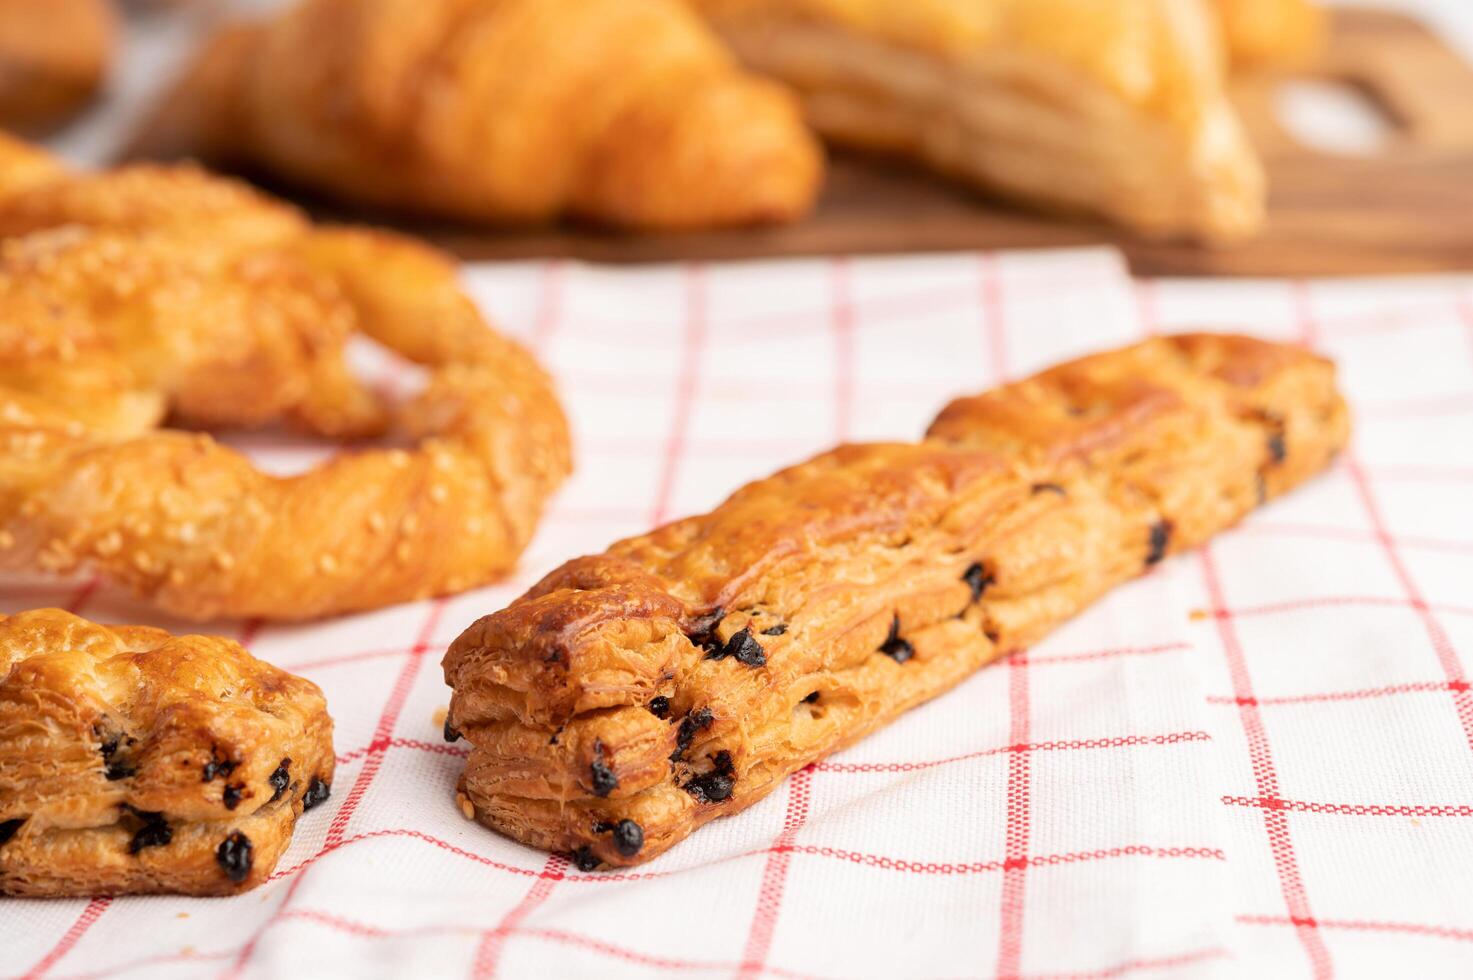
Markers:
(133, 761)
(145, 294)
(631, 697)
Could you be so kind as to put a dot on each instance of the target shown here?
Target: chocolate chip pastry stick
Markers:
(630, 697)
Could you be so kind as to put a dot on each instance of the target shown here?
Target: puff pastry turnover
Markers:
(136, 297)
(626, 112)
(631, 697)
(1115, 109)
(132, 761)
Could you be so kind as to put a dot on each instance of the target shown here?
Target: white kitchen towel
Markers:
(1254, 761)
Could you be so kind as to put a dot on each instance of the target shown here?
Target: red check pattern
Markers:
(1254, 761)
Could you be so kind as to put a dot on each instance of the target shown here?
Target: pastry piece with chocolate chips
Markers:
(632, 696)
(136, 762)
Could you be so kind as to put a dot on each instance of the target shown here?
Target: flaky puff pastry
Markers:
(626, 112)
(1271, 32)
(136, 762)
(53, 56)
(1115, 109)
(145, 294)
(632, 696)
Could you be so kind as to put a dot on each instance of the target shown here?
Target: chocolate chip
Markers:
(1160, 538)
(742, 646)
(745, 649)
(660, 706)
(812, 698)
(585, 859)
(8, 829)
(702, 627)
(280, 779)
(895, 647)
(716, 785)
(451, 733)
(604, 780)
(1050, 488)
(231, 797)
(777, 630)
(978, 578)
(317, 792)
(217, 767)
(696, 721)
(109, 746)
(235, 857)
(628, 837)
(119, 770)
(155, 831)
(1276, 448)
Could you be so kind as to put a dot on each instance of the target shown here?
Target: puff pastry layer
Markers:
(136, 762)
(1113, 109)
(631, 697)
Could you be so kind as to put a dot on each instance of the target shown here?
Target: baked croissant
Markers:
(53, 55)
(1115, 109)
(134, 296)
(626, 112)
(1270, 31)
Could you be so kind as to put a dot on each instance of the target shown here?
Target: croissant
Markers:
(1270, 31)
(626, 112)
(53, 55)
(146, 293)
(1115, 109)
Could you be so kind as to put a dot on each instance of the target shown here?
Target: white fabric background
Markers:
(1248, 763)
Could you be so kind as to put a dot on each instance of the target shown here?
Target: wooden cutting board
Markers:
(1406, 208)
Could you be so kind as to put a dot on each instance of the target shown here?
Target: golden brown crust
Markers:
(626, 112)
(145, 292)
(133, 761)
(1271, 32)
(53, 56)
(1113, 109)
(632, 696)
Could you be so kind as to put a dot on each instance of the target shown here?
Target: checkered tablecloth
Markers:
(1257, 760)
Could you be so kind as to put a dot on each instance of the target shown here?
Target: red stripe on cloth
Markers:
(1353, 809)
(693, 343)
(775, 876)
(434, 748)
(558, 936)
(1060, 658)
(842, 320)
(912, 866)
(1112, 742)
(1319, 602)
(1140, 966)
(1333, 696)
(1353, 534)
(1368, 925)
(493, 941)
(82, 596)
(993, 332)
(1276, 823)
(1015, 866)
(549, 305)
(408, 834)
(388, 718)
(1147, 306)
(69, 939)
(1447, 657)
